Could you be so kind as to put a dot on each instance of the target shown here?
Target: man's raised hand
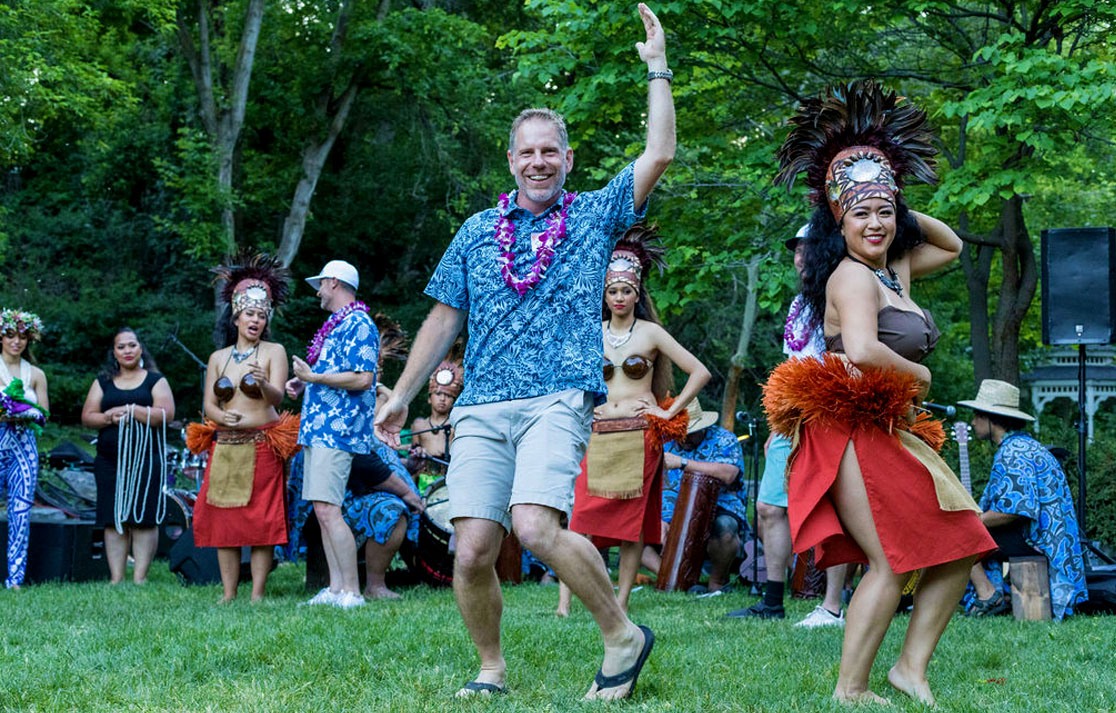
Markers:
(653, 49)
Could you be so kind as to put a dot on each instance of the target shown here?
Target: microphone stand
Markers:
(746, 418)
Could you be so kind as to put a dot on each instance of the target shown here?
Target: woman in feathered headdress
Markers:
(23, 411)
(861, 487)
(618, 496)
(241, 502)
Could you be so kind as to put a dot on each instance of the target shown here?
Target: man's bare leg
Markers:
(579, 565)
(477, 591)
(340, 547)
(377, 557)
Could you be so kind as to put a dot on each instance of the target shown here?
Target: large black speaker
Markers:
(1078, 285)
(60, 550)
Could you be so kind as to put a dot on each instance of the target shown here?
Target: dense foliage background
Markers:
(141, 139)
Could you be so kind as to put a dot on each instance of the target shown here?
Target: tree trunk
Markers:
(224, 125)
(1020, 279)
(736, 367)
(976, 261)
(313, 160)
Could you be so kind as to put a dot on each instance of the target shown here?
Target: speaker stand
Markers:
(1082, 442)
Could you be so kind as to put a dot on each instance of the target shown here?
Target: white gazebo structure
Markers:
(1057, 378)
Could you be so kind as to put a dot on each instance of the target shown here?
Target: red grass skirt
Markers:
(263, 521)
(827, 408)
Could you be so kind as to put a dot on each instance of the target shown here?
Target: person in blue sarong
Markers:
(1027, 506)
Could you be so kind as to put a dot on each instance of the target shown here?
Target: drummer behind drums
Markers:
(617, 497)
(713, 451)
(434, 432)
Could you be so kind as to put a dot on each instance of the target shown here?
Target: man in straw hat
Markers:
(714, 451)
(1027, 506)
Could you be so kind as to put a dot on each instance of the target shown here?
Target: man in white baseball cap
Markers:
(339, 378)
(338, 270)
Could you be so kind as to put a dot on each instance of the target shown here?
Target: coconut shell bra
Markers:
(634, 367)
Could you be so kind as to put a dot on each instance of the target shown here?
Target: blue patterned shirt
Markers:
(336, 418)
(1027, 481)
(718, 446)
(549, 340)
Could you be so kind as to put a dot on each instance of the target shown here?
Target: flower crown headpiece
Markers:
(14, 321)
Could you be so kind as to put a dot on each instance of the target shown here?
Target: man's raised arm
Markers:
(660, 108)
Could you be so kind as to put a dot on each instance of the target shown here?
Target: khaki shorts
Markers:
(325, 473)
(524, 451)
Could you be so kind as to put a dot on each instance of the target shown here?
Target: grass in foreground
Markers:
(164, 647)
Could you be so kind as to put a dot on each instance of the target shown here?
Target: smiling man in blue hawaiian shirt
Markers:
(1027, 506)
(529, 276)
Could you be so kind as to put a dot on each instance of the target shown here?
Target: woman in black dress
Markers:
(130, 402)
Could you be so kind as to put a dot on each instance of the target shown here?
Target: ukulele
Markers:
(961, 435)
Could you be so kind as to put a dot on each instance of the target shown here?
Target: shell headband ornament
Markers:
(624, 267)
(258, 281)
(14, 321)
(854, 142)
(251, 293)
(447, 377)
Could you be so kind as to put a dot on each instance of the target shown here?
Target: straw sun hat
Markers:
(699, 419)
(998, 397)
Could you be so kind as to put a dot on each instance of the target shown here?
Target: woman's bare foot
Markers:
(562, 612)
(911, 685)
(860, 698)
(380, 592)
(226, 600)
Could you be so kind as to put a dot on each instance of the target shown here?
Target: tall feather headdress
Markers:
(857, 141)
(253, 280)
(638, 251)
(393, 340)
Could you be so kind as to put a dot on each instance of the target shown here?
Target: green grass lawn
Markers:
(164, 647)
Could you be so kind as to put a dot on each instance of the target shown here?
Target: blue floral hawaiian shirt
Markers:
(549, 340)
(718, 446)
(1027, 481)
(336, 418)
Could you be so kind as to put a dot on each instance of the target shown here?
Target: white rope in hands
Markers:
(134, 449)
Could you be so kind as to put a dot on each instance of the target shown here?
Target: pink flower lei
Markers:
(315, 349)
(796, 343)
(505, 239)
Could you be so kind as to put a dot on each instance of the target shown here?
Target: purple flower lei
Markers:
(315, 349)
(796, 342)
(505, 239)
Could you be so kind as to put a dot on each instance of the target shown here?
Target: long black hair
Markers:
(825, 248)
(225, 332)
(112, 367)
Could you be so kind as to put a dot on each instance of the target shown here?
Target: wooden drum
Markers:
(684, 550)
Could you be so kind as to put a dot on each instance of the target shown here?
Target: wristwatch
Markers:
(661, 74)
(684, 464)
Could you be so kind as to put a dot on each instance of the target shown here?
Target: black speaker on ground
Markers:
(1078, 285)
(60, 550)
(194, 565)
(198, 565)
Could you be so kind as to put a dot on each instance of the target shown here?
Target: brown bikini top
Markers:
(911, 335)
(224, 389)
(634, 367)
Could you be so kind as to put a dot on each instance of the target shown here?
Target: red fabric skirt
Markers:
(914, 531)
(612, 521)
(263, 521)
